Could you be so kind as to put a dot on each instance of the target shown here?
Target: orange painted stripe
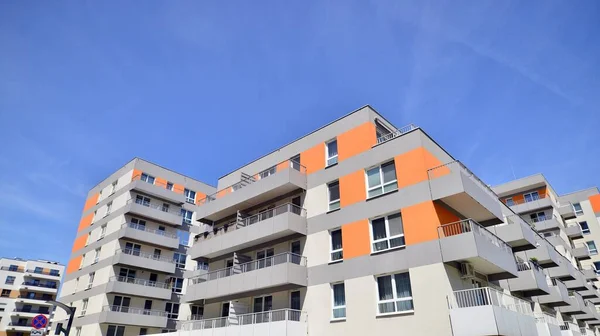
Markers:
(283, 165)
(595, 202)
(80, 243)
(178, 188)
(421, 221)
(355, 239)
(91, 201)
(313, 158)
(353, 188)
(136, 175)
(199, 196)
(74, 264)
(357, 140)
(412, 166)
(85, 222)
(223, 192)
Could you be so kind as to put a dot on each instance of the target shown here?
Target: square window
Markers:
(395, 294)
(381, 179)
(38, 270)
(592, 247)
(338, 295)
(10, 280)
(387, 233)
(538, 217)
(509, 201)
(54, 272)
(577, 208)
(190, 196)
(333, 191)
(186, 216)
(13, 268)
(336, 252)
(5, 293)
(584, 227)
(169, 186)
(331, 152)
(532, 196)
(147, 178)
(115, 330)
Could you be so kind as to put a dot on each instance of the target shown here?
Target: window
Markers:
(113, 187)
(592, 247)
(532, 196)
(54, 272)
(267, 172)
(143, 331)
(87, 241)
(179, 260)
(183, 236)
(78, 331)
(169, 186)
(190, 196)
(165, 207)
(509, 201)
(91, 279)
(6, 293)
(145, 201)
(333, 191)
(187, 216)
(139, 224)
(147, 178)
(102, 231)
(115, 330)
(339, 301)
(538, 217)
(387, 232)
(295, 303)
(331, 152)
(10, 280)
(172, 310)
(295, 162)
(177, 285)
(197, 312)
(337, 252)
(381, 179)
(597, 266)
(577, 208)
(108, 208)
(395, 294)
(584, 227)
(96, 255)
(13, 268)
(84, 307)
(156, 254)
(38, 270)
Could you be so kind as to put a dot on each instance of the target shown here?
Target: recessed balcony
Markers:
(141, 233)
(147, 261)
(139, 287)
(157, 211)
(558, 294)
(133, 316)
(157, 189)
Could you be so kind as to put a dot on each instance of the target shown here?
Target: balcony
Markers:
(26, 313)
(142, 234)
(590, 274)
(487, 311)
(590, 312)
(582, 252)
(279, 272)
(19, 327)
(154, 210)
(546, 224)
(40, 300)
(43, 274)
(558, 294)
(547, 325)
(565, 271)
(467, 241)
(201, 269)
(545, 254)
(252, 190)
(35, 286)
(139, 287)
(283, 322)
(570, 329)
(579, 283)
(158, 189)
(148, 261)
(516, 233)
(531, 280)
(282, 221)
(523, 206)
(133, 316)
(574, 231)
(455, 185)
(566, 211)
(576, 305)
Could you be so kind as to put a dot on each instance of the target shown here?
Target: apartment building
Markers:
(126, 272)
(357, 228)
(26, 286)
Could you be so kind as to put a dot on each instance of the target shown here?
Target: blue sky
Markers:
(203, 87)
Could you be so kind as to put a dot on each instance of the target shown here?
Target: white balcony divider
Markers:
(245, 319)
(145, 229)
(142, 282)
(132, 310)
(158, 206)
(546, 318)
(487, 296)
(438, 171)
(469, 225)
(253, 265)
(395, 134)
(141, 254)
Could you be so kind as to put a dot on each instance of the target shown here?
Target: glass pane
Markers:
(334, 205)
(403, 285)
(336, 239)
(378, 227)
(379, 246)
(389, 172)
(397, 242)
(339, 297)
(339, 313)
(395, 224)
(390, 187)
(375, 192)
(332, 148)
(404, 305)
(337, 255)
(387, 307)
(334, 191)
(384, 286)
(373, 177)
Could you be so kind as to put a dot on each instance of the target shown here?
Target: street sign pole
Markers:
(70, 311)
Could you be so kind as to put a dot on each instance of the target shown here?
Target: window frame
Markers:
(329, 157)
(388, 237)
(147, 177)
(329, 201)
(584, 231)
(531, 193)
(176, 258)
(331, 250)
(333, 306)
(184, 219)
(395, 298)
(170, 313)
(11, 278)
(114, 187)
(382, 184)
(188, 193)
(537, 216)
(577, 212)
(174, 287)
(512, 202)
(595, 250)
(118, 330)
(84, 306)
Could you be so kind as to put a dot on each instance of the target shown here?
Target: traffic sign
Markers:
(39, 322)
(36, 332)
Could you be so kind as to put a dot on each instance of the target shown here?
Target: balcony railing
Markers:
(469, 225)
(32, 311)
(175, 188)
(140, 254)
(141, 282)
(20, 324)
(569, 326)
(156, 206)
(395, 134)
(44, 272)
(546, 318)
(36, 297)
(487, 296)
(132, 310)
(245, 319)
(527, 266)
(287, 164)
(261, 216)
(8, 268)
(442, 170)
(145, 229)
(30, 283)
(253, 265)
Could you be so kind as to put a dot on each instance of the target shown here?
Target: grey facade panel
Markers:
(145, 263)
(558, 296)
(149, 237)
(157, 191)
(545, 254)
(138, 290)
(540, 204)
(530, 282)
(520, 185)
(164, 217)
(518, 235)
(150, 321)
(549, 224)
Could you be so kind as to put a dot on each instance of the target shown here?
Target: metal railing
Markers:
(141, 282)
(527, 266)
(176, 189)
(546, 318)
(287, 164)
(156, 206)
(7, 268)
(487, 296)
(195, 317)
(132, 310)
(245, 319)
(396, 133)
(31, 283)
(44, 272)
(277, 259)
(145, 229)
(141, 254)
(469, 225)
(442, 170)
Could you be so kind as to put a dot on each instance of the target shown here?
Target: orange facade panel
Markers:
(74, 264)
(357, 140)
(352, 188)
(520, 198)
(421, 221)
(595, 202)
(313, 158)
(91, 201)
(79, 243)
(85, 222)
(355, 239)
(412, 166)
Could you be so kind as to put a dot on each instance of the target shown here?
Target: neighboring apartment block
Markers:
(356, 228)
(26, 286)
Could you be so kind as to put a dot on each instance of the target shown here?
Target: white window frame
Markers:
(331, 250)
(114, 187)
(577, 212)
(595, 250)
(333, 306)
(531, 195)
(108, 208)
(170, 311)
(102, 231)
(184, 219)
(332, 204)
(84, 306)
(512, 202)
(395, 298)
(187, 193)
(333, 158)
(382, 184)
(177, 263)
(97, 255)
(146, 178)
(267, 172)
(537, 216)
(175, 289)
(169, 186)
(584, 231)
(387, 233)
(91, 277)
